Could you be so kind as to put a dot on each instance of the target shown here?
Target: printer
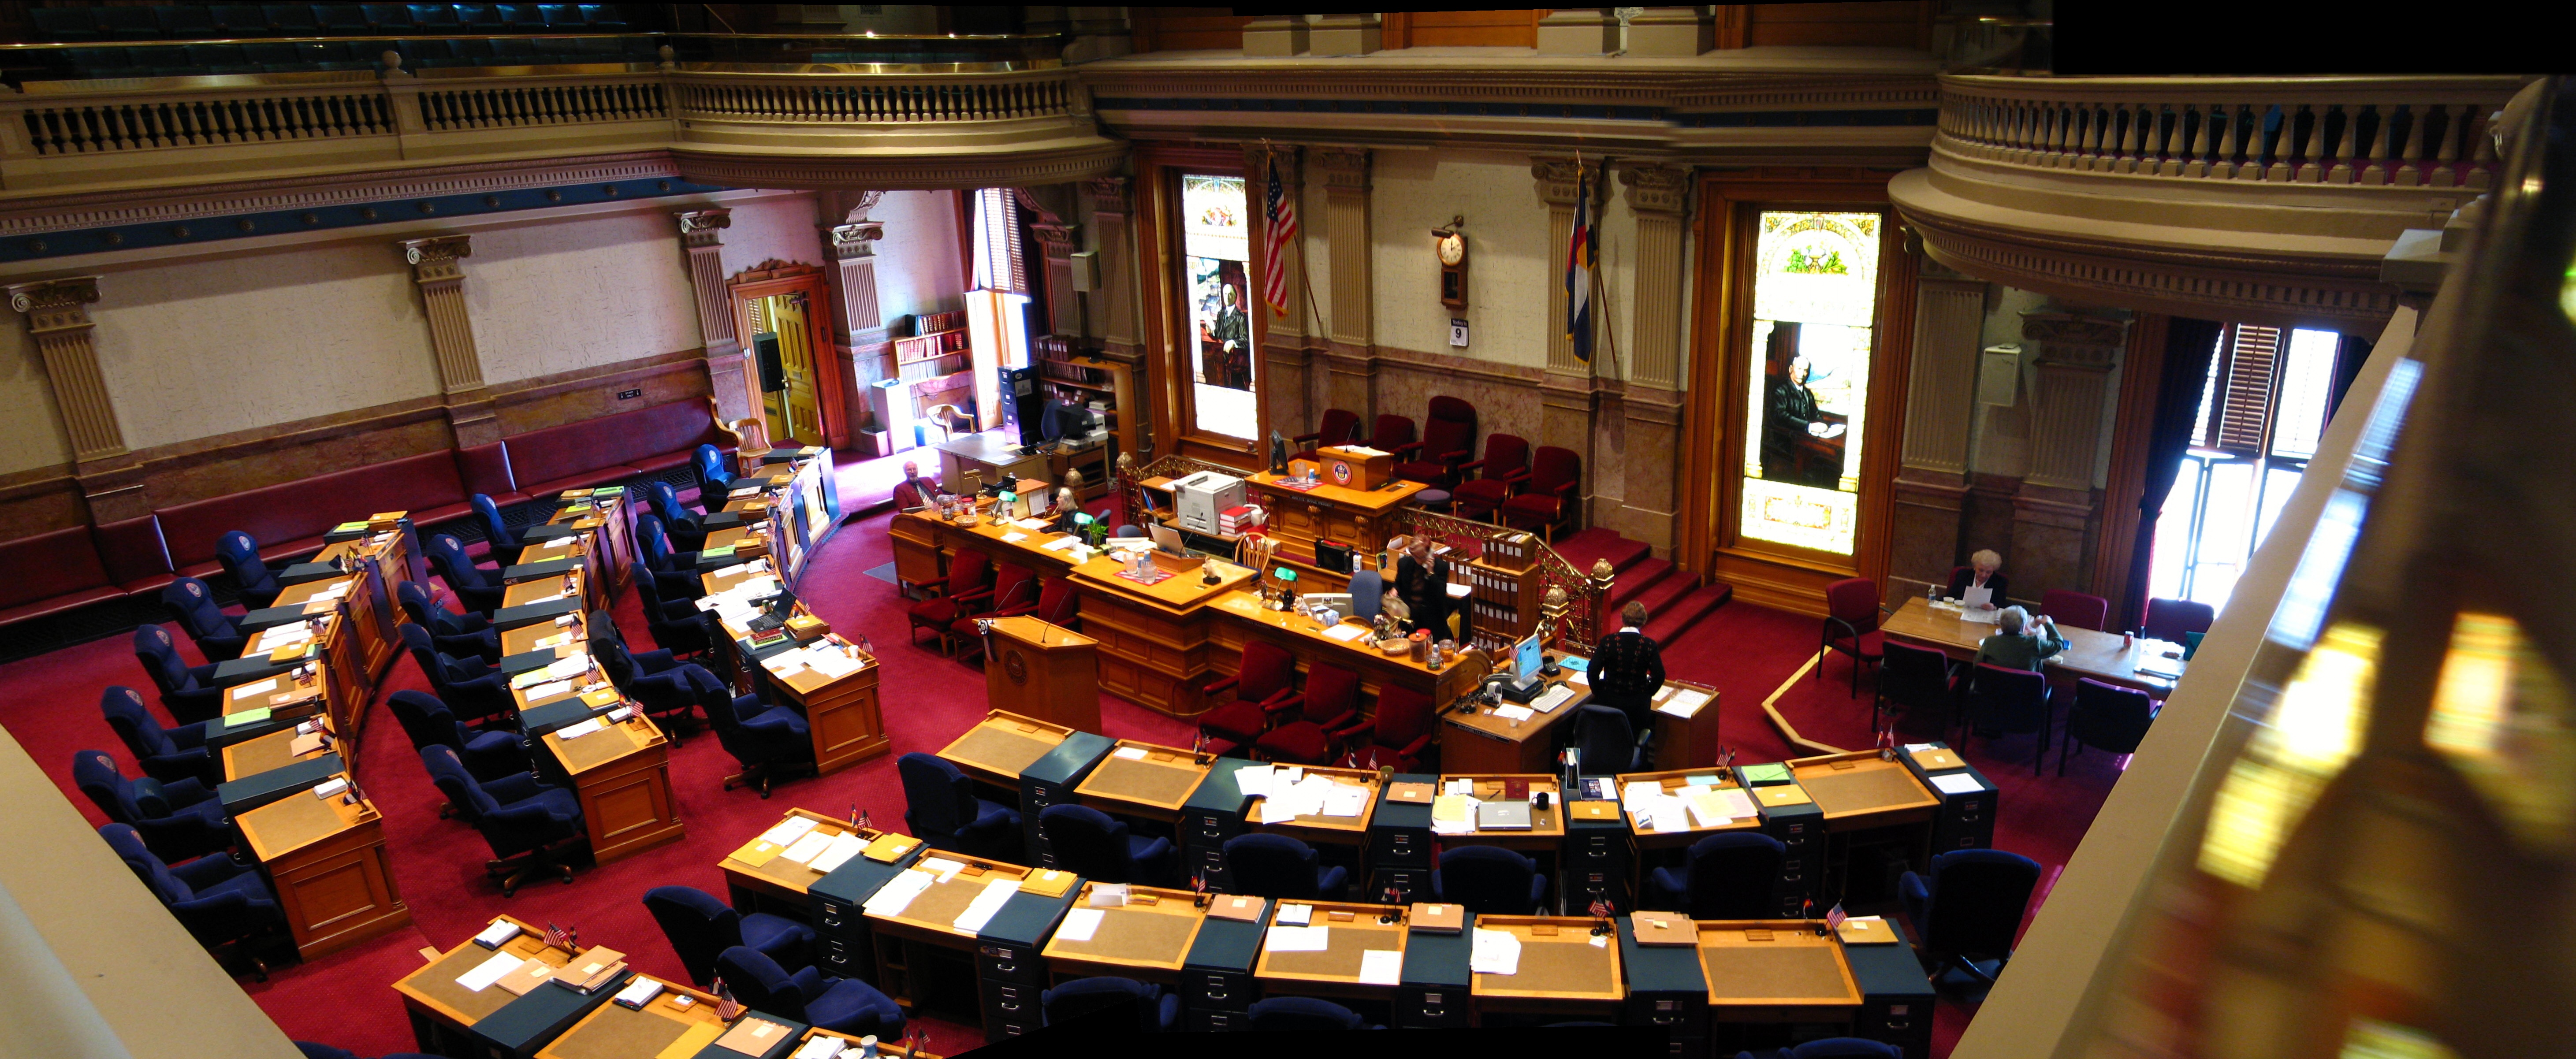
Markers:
(1201, 497)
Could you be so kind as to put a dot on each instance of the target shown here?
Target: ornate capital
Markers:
(1656, 188)
(1345, 168)
(55, 304)
(2076, 340)
(851, 240)
(437, 258)
(1556, 178)
(1257, 158)
(1058, 239)
(859, 206)
(1108, 194)
(703, 227)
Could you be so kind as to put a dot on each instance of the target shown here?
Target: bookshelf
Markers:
(936, 350)
(1076, 377)
(1504, 585)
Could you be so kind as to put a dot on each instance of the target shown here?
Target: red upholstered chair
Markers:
(1055, 604)
(1264, 686)
(965, 585)
(1851, 625)
(1505, 466)
(1014, 586)
(2171, 619)
(1330, 708)
(1400, 734)
(1448, 438)
(2075, 608)
(1340, 427)
(1549, 500)
(1392, 433)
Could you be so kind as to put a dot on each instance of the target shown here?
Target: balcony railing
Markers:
(875, 98)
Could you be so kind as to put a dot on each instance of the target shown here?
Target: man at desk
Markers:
(2020, 641)
(915, 492)
(1980, 574)
(1628, 669)
(1801, 443)
(1422, 581)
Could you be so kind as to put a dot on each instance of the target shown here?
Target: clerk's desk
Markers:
(1359, 518)
(2089, 653)
(1478, 738)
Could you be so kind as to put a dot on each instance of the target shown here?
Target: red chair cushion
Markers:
(936, 611)
(1870, 644)
(1484, 494)
(1299, 741)
(1239, 721)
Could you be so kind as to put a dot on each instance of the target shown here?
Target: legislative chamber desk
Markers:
(1547, 826)
(586, 560)
(1692, 828)
(1147, 938)
(1334, 971)
(271, 751)
(913, 935)
(762, 881)
(381, 559)
(622, 772)
(449, 1019)
(828, 679)
(2089, 653)
(1565, 971)
(1001, 746)
(1478, 738)
(663, 1027)
(1145, 780)
(342, 614)
(1299, 517)
(326, 862)
(607, 517)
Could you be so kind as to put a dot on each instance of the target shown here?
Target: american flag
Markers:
(1601, 908)
(1282, 215)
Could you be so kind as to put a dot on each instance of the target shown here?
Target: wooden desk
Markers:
(326, 861)
(926, 925)
(756, 867)
(372, 555)
(588, 576)
(1159, 643)
(1673, 782)
(662, 1026)
(623, 774)
(1861, 790)
(1303, 638)
(1147, 938)
(2088, 653)
(1041, 670)
(1478, 739)
(1356, 517)
(1685, 726)
(442, 1011)
(1002, 745)
(1335, 971)
(568, 639)
(251, 757)
(1564, 967)
(841, 713)
(1316, 827)
(1774, 971)
(574, 582)
(1143, 779)
(609, 517)
(283, 695)
(917, 558)
(884, 1047)
(1547, 826)
(347, 675)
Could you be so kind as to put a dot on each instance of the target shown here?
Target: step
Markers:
(1662, 594)
(1635, 581)
(1671, 622)
(1581, 549)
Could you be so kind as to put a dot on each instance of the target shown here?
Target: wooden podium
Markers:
(1043, 671)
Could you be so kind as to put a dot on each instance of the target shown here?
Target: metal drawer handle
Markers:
(1218, 994)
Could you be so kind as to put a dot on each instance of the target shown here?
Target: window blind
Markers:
(2236, 413)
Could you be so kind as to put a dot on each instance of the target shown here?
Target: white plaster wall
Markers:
(31, 428)
(579, 293)
(215, 346)
(917, 261)
(781, 228)
(1508, 275)
(2001, 441)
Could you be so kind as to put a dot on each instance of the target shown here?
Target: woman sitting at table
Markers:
(2020, 641)
(1979, 574)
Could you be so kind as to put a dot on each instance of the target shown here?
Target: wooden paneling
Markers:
(1187, 28)
(1863, 23)
(1463, 29)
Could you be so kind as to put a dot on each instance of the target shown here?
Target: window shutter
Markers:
(2243, 414)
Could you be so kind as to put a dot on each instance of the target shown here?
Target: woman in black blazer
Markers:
(1979, 573)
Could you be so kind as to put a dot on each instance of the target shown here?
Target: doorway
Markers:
(795, 376)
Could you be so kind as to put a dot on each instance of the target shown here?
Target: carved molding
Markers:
(969, 172)
(2075, 339)
(851, 241)
(437, 259)
(2273, 292)
(55, 304)
(1656, 188)
(104, 209)
(1345, 168)
(1108, 195)
(57, 312)
(1556, 179)
(703, 227)
(867, 200)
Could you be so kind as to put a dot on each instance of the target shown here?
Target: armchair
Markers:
(940, 806)
(1015, 588)
(1551, 498)
(177, 820)
(1968, 909)
(1400, 734)
(1329, 709)
(191, 604)
(239, 555)
(1851, 626)
(488, 755)
(1279, 867)
(685, 531)
(653, 680)
(167, 754)
(187, 692)
(769, 741)
(469, 688)
(220, 902)
(674, 573)
(461, 635)
(699, 926)
(477, 589)
(842, 1005)
(1506, 465)
(715, 480)
(1089, 843)
(680, 628)
(504, 545)
(965, 586)
(1339, 427)
(1448, 438)
(1264, 686)
(1391, 432)
(527, 823)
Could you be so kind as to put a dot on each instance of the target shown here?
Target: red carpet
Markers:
(346, 999)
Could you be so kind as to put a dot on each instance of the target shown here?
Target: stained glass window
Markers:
(1216, 236)
(1815, 306)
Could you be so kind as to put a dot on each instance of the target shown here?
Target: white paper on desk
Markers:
(530, 678)
(1684, 704)
(1128, 752)
(1080, 923)
(1552, 698)
(1014, 537)
(942, 867)
(1345, 801)
(833, 664)
(500, 931)
(803, 851)
(1957, 783)
(1494, 952)
(565, 667)
(1346, 632)
(1514, 713)
(898, 892)
(727, 571)
(579, 728)
(1461, 786)
(1639, 792)
(1382, 967)
(1300, 939)
(1294, 915)
(1578, 678)
(844, 846)
(981, 910)
(549, 690)
(1030, 523)
(1060, 544)
(821, 1048)
(489, 971)
(1252, 780)
(787, 831)
(1738, 804)
(246, 690)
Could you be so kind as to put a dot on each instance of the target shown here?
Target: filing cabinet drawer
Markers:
(1400, 849)
(1432, 1008)
(1011, 963)
(1216, 990)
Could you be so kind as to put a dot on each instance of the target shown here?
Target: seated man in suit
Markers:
(1628, 669)
(2020, 641)
(915, 492)
(1979, 574)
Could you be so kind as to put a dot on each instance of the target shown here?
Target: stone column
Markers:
(1659, 196)
(1670, 31)
(1578, 31)
(57, 312)
(1568, 395)
(1350, 346)
(1275, 36)
(1286, 370)
(438, 268)
(1113, 306)
(2055, 513)
(729, 377)
(1350, 33)
(1940, 403)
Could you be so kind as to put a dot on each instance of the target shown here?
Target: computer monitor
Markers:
(1165, 538)
(1526, 660)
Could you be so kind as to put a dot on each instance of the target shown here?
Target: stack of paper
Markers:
(1494, 952)
(549, 690)
(579, 729)
(843, 846)
(1315, 938)
(1252, 780)
(898, 892)
(788, 830)
(1382, 967)
(942, 867)
(1346, 632)
(804, 849)
(831, 662)
(1514, 713)
(1079, 924)
(1685, 703)
(1345, 801)
(1294, 915)
(981, 910)
(1453, 814)
(821, 1047)
(1956, 783)
(1706, 807)
(488, 972)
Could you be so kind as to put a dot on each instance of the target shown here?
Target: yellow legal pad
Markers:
(1048, 882)
(757, 852)
(888, 847)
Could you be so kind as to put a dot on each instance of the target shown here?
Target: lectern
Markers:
(1043, 671)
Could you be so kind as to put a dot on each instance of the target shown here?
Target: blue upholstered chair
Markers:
(715, 480)
(1091, 844)
(187, 692)
(699, 926)
(472, 691)
(526, 822)
(1281, 868)
(220, 902)
(2003, 700)
(1303, 1014)
(477, 589)
(940, 806)
(167, 754)
(1156, 1010)
(678, 627)
(1832, 1048)
(1966, 912)
(1608, 744)
(686, 533)
(192, 604)
(462, 635)
(769, 741)
(1368, 594)
(1489, 880)
(653, 680)
(324, 1051)
(674, 573)
(844, 1005)
(488, 755)
(239, 555)
(505, 545)
(1732, 876)
(177, 820)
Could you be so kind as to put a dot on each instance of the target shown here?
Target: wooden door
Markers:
(795, 412)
